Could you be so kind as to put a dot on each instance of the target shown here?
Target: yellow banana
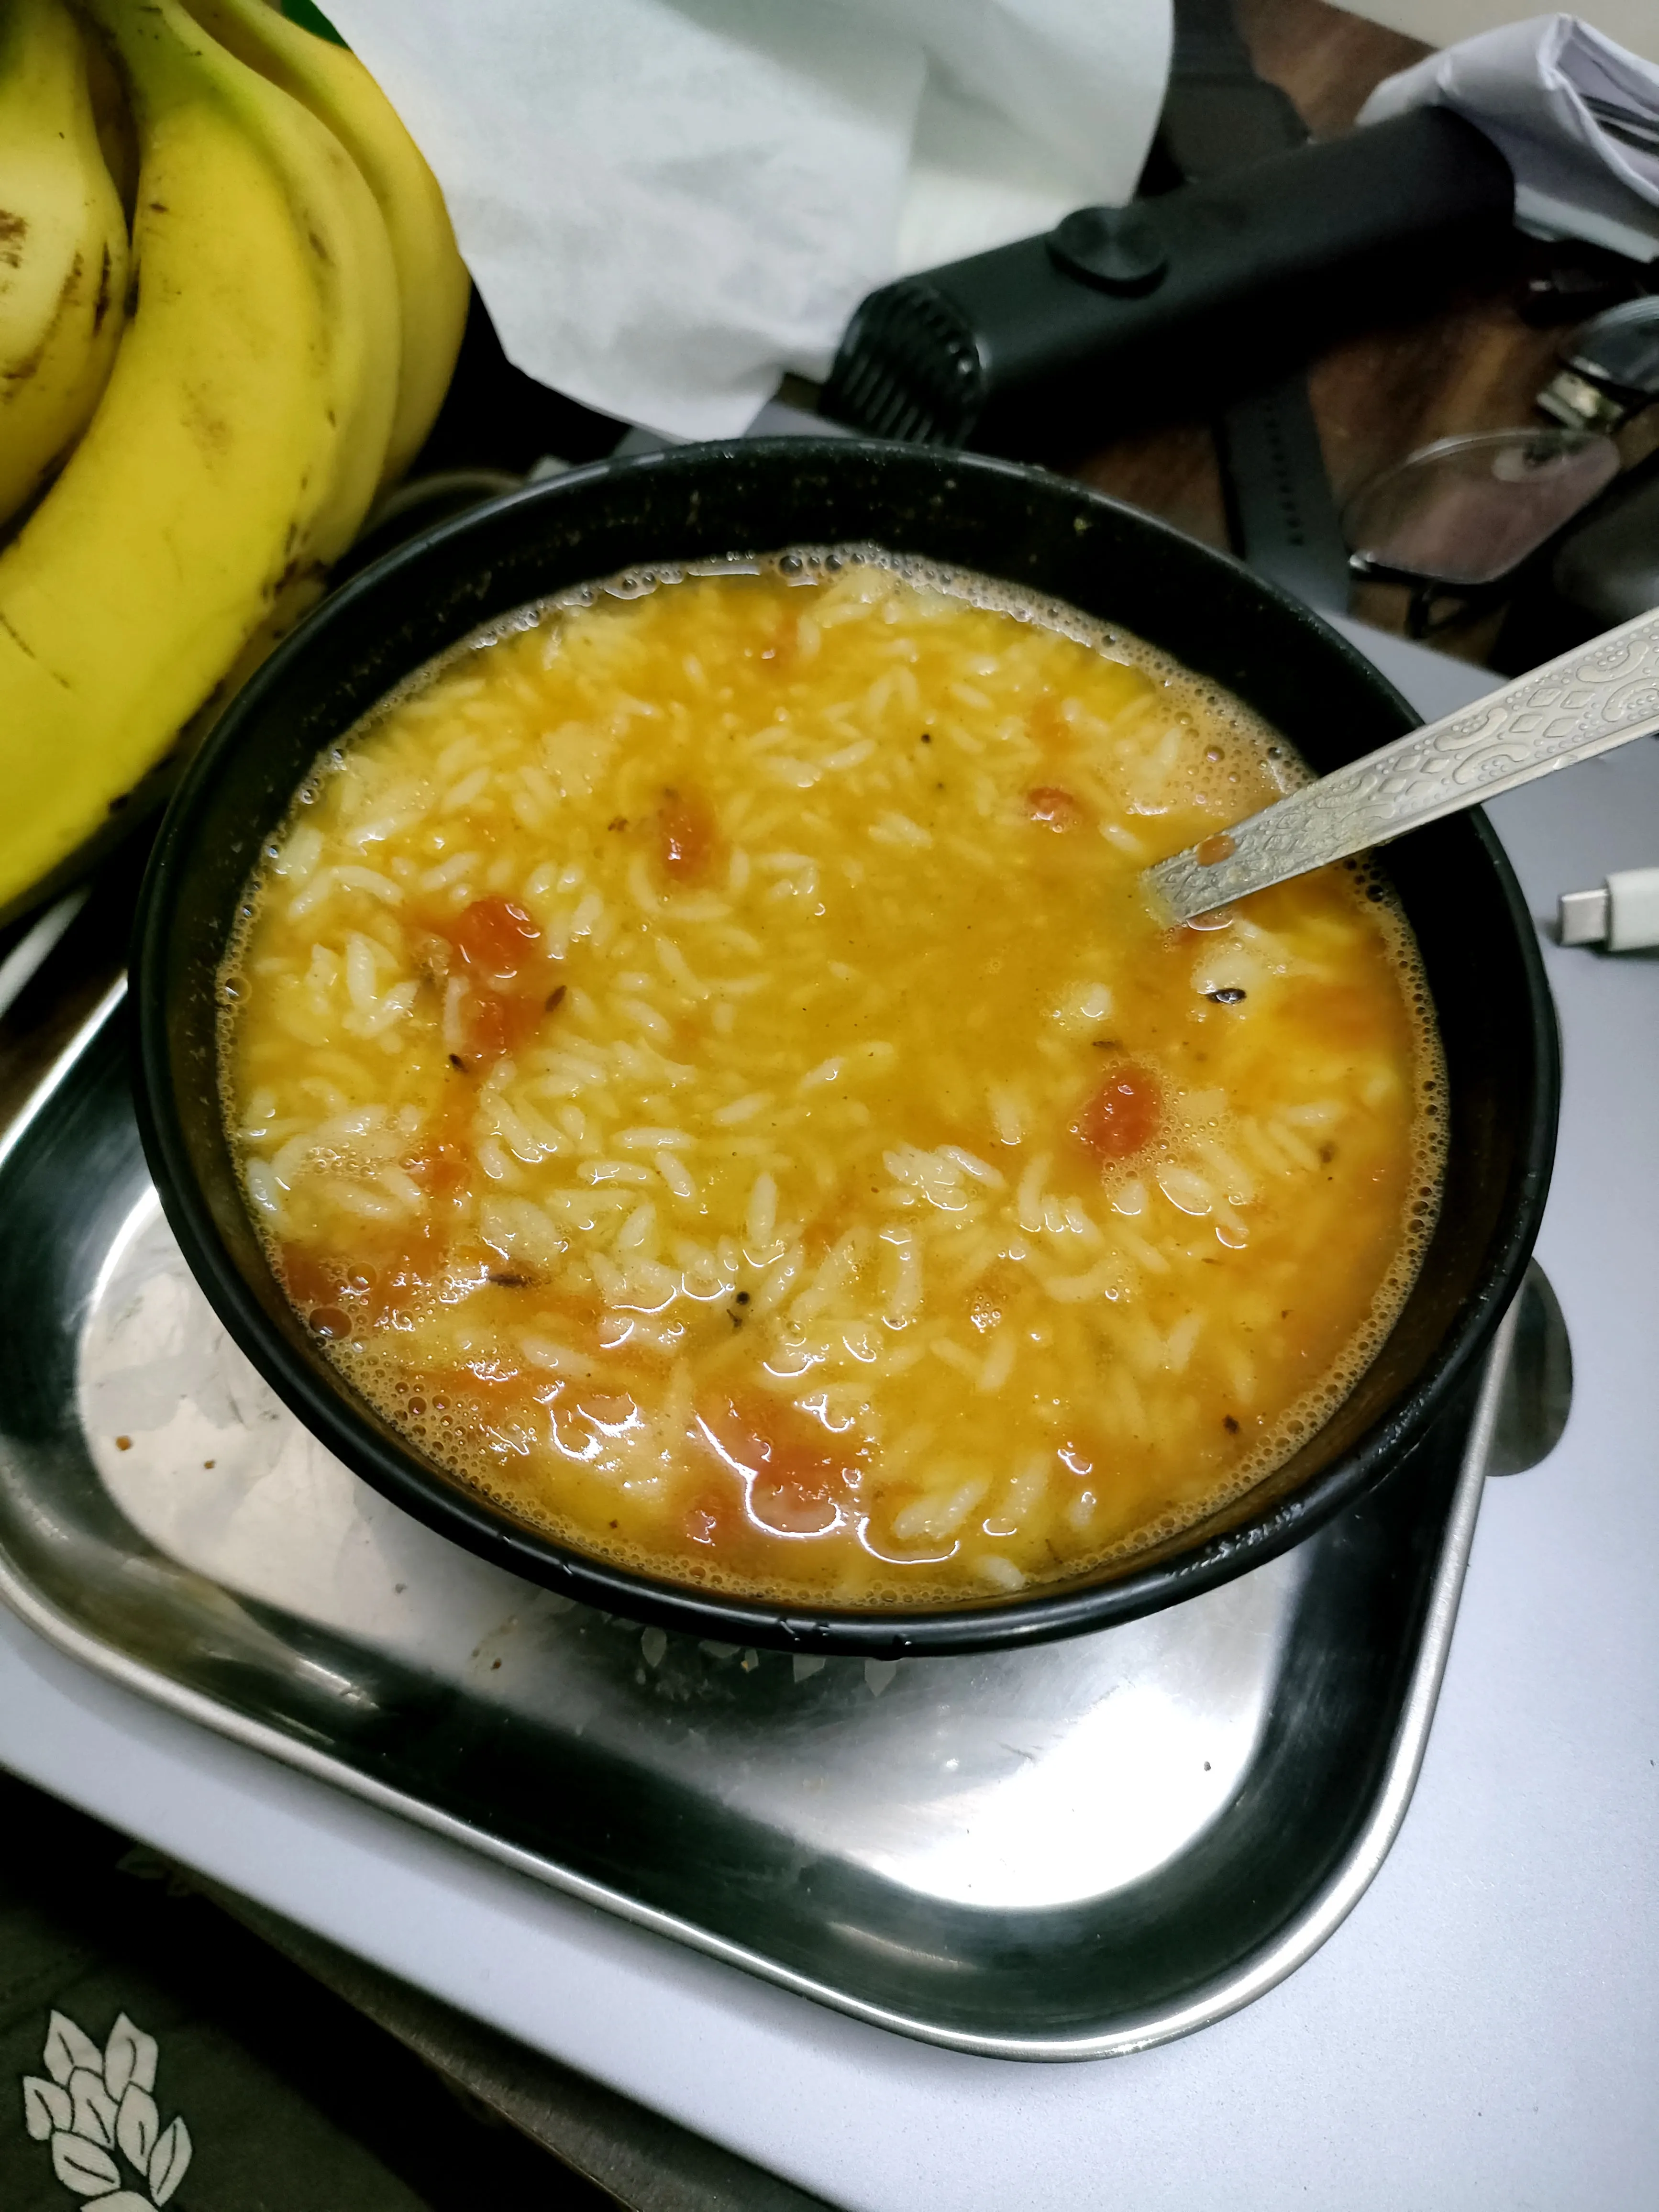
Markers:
(113, 118)
(63, 247)
(244, 422)
(366, 289)
(433, 282)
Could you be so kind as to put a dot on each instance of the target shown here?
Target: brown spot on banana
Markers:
(210, 431)
(29, 653)
(13, 229)
(21, 372)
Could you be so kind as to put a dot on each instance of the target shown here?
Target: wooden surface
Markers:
(1473, 365)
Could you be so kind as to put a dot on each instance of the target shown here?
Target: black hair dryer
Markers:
(1120, 315)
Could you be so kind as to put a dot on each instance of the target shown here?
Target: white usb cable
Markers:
(1623, 915)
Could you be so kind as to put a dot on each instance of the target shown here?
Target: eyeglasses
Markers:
(1610, 369)
(1460, 516)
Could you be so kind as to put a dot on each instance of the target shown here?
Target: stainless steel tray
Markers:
(1060, 1853)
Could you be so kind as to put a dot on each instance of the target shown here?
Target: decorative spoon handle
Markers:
(1600, 696)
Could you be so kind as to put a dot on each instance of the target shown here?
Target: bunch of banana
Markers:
(293, 312)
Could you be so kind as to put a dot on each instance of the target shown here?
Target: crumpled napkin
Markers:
(666, 204)
(1526, 87)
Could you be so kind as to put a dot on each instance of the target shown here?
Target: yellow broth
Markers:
(706, 1064)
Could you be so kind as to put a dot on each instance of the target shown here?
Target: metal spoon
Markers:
(1600, 696)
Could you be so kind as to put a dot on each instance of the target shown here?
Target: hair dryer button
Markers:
(1117, 248)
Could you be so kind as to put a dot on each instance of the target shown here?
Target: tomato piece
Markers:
(336, 1295)
(613, 1413)
(308, 1278)
(404, 1282)
(797, 1500)
(496, 1023)
(499, 943)
(796, 1488)
(689, 837)
(442, 1169)
(575, 1439)
(1055, 807)
(496, 935)
(1122, 1116)
(324, 1293)
(485, 1017)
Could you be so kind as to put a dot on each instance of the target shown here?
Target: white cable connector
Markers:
(1623, 915)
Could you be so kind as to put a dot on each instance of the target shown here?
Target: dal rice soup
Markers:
(704, 1062)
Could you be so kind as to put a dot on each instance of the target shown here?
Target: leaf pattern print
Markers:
(68, 2048)
(92, 2108)
(130, 2055)
(45, 2106)
(169, 2160)
(92, 2103)
(137, 2124)
(83, 2167)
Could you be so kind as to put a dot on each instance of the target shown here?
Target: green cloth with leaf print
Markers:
(154, 2053)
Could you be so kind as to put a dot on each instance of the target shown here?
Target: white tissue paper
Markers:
(1526, 87)
(666, 204)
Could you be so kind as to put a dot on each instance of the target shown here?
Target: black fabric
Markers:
(292, 2101)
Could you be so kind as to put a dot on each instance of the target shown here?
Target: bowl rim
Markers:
(442, 1502)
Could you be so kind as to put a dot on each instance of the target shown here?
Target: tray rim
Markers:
(1215, 2000)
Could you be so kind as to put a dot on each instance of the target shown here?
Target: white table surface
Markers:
(1482, 2032)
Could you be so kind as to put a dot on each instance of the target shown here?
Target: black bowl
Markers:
(1013, 523)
